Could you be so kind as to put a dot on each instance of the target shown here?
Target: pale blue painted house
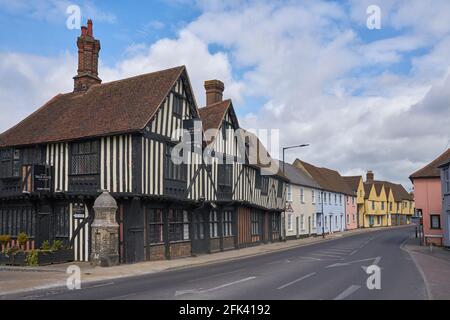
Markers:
(331, 215)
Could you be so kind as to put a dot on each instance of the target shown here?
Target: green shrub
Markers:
(56, 245)
(45, 245)
(32, 258)
(22, 239)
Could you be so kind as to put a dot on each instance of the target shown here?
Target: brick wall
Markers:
(180, 249)
(157, 252)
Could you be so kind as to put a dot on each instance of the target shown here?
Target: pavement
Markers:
(311, 268)
(434, 265)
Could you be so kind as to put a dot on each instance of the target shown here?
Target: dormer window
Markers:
(178, 105)
(264, 185)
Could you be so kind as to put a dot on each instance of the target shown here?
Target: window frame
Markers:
(438, 216)
(255, 223)
(214, 224)
(227, 223)
(178, 104)
(289, 192)
(225, 175)
(172, 171)
(91, 155)
(177, 227)
(264, 185)
(155, 226)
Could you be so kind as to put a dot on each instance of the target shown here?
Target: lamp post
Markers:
(284, 213)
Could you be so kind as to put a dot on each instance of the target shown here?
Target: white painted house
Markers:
(302, 197)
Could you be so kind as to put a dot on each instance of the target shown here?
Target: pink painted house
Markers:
(428, 198)
(351, 204)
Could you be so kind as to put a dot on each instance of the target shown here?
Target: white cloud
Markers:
(187, 50)
(28, 81)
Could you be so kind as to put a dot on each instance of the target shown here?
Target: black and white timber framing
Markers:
(166, 210)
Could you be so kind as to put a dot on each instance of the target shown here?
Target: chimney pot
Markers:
(214, 91)
(90, 31)
(83, 31)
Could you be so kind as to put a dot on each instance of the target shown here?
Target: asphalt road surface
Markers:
(332, 270)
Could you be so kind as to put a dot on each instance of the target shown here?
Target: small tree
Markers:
(4, 240)
(22, 239)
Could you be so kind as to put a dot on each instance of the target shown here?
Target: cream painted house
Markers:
(303, 195)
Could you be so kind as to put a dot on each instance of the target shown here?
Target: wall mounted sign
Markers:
(79, 211)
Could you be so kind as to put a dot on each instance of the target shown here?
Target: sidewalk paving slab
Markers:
(434, 264)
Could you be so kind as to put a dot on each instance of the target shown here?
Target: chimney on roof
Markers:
(214, 91)
(370, 176)
(88, 52)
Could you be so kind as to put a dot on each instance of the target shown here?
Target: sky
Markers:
(364, 99)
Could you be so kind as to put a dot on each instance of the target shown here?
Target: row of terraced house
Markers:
(124, 137)
(320, 200)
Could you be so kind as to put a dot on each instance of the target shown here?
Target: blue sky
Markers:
(311, 69)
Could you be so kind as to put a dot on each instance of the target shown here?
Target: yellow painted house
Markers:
(386, 203)
(376, 205)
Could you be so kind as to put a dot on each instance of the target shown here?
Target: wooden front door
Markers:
(43, 228)
(200, 232)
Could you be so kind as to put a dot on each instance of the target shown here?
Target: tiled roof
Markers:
(398, 191)
(367, 189)
(431, 170)
(116, 107)
(353, 182)
(213, 115)
(298, 176)
(328, 179)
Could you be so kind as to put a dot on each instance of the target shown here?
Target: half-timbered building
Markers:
(120, 136)
(246, 191)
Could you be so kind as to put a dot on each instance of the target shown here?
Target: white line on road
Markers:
(100, 285)
(200, 291)
(344, 264)
(311, 258)
(340, 249)
(332, 252)
(349, 291)
(325, 255)
(295, 281)
(216, 275)
(229, 284)
(353, 252)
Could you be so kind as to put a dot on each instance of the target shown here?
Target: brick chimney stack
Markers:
(88, 52)
(214, 91)
(370, 177)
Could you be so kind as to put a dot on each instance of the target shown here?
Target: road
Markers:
(331, 270)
